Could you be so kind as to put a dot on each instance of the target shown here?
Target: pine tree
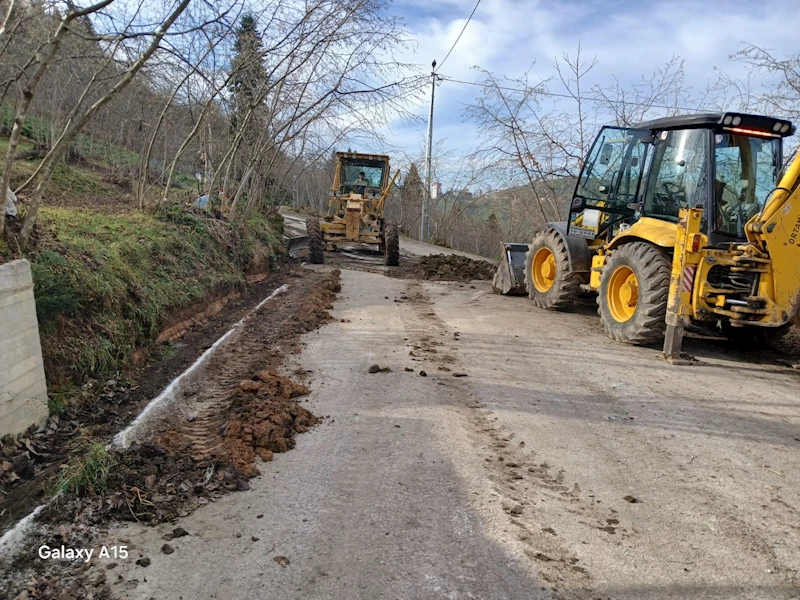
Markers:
(248, 68)
(413, 190)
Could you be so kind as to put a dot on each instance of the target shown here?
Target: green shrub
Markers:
(87, 475)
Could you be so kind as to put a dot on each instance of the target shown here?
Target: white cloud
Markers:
(630, 40)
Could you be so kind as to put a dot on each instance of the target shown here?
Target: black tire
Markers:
(566, 285)
(316, 243)
(753, 338)
(651, 266)
(392, 244)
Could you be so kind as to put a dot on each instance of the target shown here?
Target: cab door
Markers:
(610, 183)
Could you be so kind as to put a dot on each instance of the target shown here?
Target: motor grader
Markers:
(679, 221)
(358, 195)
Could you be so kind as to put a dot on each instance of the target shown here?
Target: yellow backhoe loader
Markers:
(358, 195)
(679, 220)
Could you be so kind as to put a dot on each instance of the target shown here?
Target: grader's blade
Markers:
(510, 277)
(296, 245)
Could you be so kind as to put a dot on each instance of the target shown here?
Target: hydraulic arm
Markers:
(771, 257)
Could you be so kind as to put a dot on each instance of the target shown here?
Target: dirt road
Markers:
(556, 465)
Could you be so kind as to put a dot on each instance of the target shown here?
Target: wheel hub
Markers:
(630, 293)
(623, 293)
(543, 270)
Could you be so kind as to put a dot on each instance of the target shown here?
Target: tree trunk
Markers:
(56, 154)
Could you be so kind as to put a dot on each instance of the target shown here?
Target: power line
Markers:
(462, 33)
(557, 95)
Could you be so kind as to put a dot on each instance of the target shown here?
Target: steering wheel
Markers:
(725, 214)
(671, 187)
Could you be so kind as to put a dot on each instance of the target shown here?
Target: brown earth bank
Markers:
(184, 464)
(29, 464)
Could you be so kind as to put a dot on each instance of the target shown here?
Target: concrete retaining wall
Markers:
(23, 390)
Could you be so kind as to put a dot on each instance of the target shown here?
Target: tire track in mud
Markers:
(734, 527)
(200, 416)
(509, 465)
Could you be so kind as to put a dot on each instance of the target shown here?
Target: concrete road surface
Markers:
(557, 464)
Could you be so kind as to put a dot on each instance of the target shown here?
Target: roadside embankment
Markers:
(107, 285)
(110, 290)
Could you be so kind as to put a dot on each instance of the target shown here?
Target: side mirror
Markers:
(635, 206)
(578, 204)
(635, 161)
(605, 154)
(602, 189)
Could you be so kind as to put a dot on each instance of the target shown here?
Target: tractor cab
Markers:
(358, 195)
(364, 175)
(727, 164)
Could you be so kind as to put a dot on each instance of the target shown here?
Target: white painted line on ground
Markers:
(123, 438)
(16, 534)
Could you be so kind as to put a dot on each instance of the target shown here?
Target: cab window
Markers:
(679, 174)
(360, 174)
(746, 171)
(605, 163)
(610, 182)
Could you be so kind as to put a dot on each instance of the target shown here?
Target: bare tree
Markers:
(405, 206)
(780, 96)
(77, 121)
(42, 63)
(571, 72)
(313, 74)
(661, 94)
(4, 24)
(519, 139)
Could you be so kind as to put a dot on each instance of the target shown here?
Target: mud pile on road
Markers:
(439, 267)
(264, 419)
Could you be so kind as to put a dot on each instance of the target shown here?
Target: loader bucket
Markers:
(510, 277)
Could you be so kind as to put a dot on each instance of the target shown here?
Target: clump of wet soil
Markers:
(440, 267)
(168, 477)
(264, 419)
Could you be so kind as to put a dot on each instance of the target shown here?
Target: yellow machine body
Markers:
(679, 220)
(355, 209)
(772, 256)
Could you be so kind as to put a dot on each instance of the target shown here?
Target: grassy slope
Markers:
(107, 276)
(105, 283)
(85, 183)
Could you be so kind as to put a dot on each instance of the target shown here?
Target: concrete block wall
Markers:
(23, 390)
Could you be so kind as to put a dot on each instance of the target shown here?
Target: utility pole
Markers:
(424, 223)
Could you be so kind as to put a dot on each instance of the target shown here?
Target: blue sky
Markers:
(629, 38)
